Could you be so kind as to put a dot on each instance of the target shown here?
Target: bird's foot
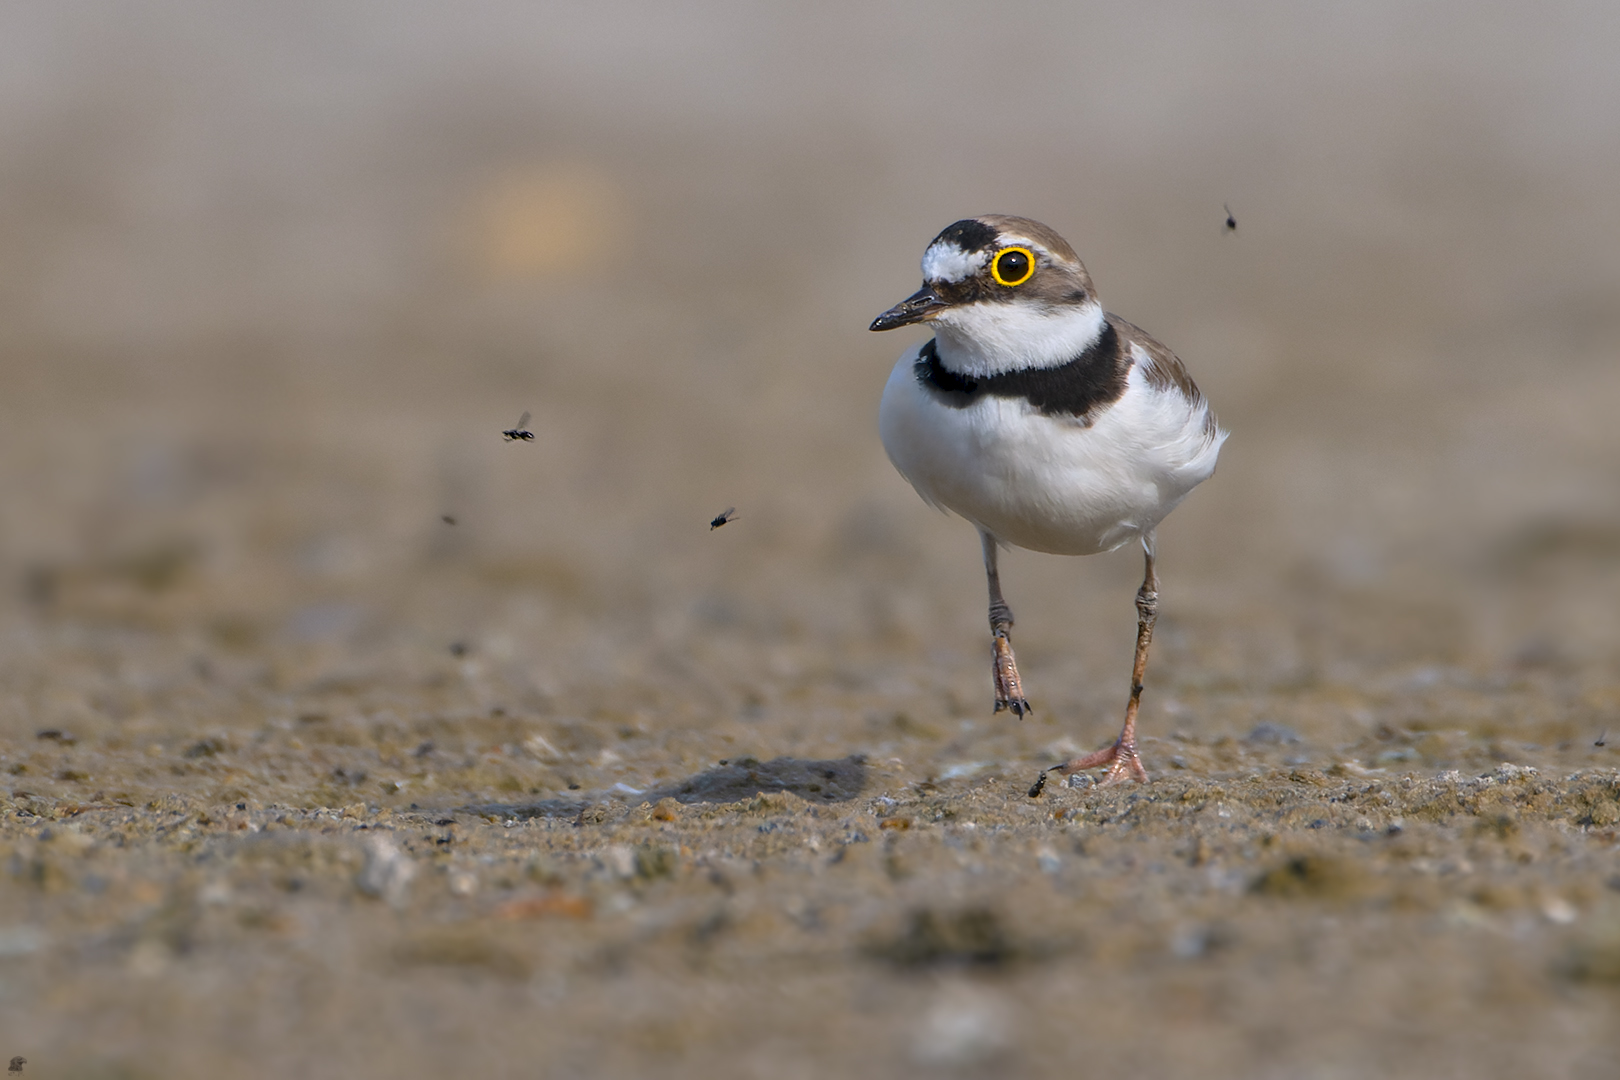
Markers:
(1122, 759)
(1009, 690)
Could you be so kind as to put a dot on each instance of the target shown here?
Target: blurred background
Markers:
(275, 277)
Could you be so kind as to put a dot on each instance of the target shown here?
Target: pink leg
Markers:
(1122, 759)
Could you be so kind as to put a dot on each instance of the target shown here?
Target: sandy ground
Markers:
(340, 737)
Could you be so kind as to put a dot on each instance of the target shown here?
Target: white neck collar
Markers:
(989, 338)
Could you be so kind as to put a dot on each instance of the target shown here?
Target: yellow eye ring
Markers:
(1027, 271)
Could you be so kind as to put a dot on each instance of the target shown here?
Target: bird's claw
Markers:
(1018, 706)
(1009, 690)
(1123, 762)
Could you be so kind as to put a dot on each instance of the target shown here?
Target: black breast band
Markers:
(1095, 377)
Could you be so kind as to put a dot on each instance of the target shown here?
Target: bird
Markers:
(1046, 422)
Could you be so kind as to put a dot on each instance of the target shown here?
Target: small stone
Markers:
(1559, 911)
(541, 748)
(965, 1026)
(1048, 861)
(387, 873)
(21, 940)
(618, 860)
(1191, 942)
(215, 894)
(1267, 733)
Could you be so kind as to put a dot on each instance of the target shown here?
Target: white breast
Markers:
(1050, 483)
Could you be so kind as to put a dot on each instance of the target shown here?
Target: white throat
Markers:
(990, 338)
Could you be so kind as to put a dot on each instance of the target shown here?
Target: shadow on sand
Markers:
(831, 781)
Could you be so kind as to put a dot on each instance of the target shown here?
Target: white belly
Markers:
(1049, 483)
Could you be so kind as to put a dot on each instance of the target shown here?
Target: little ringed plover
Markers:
(1046, 422)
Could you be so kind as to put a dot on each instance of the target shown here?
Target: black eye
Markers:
(1014, 266)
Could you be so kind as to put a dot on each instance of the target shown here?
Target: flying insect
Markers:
(519, 432)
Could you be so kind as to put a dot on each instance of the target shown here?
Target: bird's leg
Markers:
(1123, 762)
(1004, 670)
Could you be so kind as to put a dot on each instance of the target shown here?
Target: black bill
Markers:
(913, 309)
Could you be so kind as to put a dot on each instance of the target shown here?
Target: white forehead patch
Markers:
(945, 261)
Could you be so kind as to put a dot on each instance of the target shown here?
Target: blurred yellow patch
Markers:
(558, 219)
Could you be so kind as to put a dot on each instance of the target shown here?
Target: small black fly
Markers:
(728, 514)
(1602, 740)
(1231, 222)
(519, 432)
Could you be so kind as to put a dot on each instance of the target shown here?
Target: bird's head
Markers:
(1002, 293)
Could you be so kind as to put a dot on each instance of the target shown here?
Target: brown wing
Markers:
(1164, 370)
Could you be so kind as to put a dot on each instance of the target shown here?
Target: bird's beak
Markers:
(918, 307)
